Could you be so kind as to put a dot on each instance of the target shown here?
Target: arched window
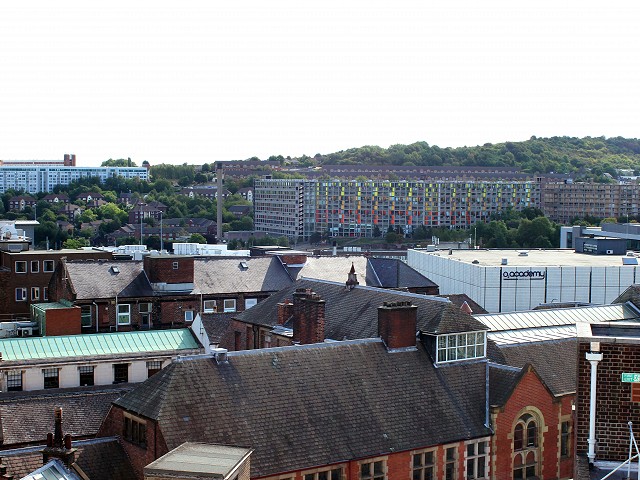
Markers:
(525, 448)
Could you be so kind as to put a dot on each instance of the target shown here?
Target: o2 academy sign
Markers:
(524, 275)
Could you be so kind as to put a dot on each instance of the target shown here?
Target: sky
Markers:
(196, 82)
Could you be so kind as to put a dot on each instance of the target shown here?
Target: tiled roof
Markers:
(458, 300)
(98, 280)
(226, 275)
(315, 404)
(217, 325)
(393, 273)
(353, 314)
(211, 276)
(555, 361)
(99, 459)
(27, 417)
(96, 344)
(502, 381)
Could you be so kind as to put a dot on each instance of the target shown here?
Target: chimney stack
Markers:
(308, 317)
(284, 311)
(58, 444)
(397, 325)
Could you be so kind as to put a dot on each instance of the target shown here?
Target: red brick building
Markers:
(25, 277)
(369, 409)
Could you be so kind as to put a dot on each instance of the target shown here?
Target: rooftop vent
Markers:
(523, 253)
(243, 265)
(504, 261)
(115, 269)
(220, 355)
(475, 262)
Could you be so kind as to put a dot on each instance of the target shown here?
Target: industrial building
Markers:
(512, 280)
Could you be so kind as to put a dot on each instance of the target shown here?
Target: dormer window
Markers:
(461, 346)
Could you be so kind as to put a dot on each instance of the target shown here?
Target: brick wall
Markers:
(614, 407)
(113, 425)
(531, 396)
(63, 321)
(162, 269)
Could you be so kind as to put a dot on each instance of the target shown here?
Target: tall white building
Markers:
(42, 178)
(511, 280)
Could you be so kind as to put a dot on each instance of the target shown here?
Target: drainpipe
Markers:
(96, 307)
(593, 357)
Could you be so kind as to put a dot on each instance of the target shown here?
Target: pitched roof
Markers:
(502, 381)
(211, 276)
(555, 361)
(96, 344)
(100, 459)
(353, 314)
(27, 417)
(325, 403)
(98, 280)
(393, 273)
(226, 275)
(458, 299)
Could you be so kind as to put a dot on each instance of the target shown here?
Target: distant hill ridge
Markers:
(592, 156)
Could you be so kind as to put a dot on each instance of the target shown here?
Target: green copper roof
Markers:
(96, 344)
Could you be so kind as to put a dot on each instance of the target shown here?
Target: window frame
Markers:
(117, 376)
(371, 464)
(134, 430)
(84, 371)
(153, 367)
(148, 307)
(121, 315)
(48, 262)
(206, 309)
(453, 462)
(54, 375)
(23, 294)
(524, 448)
(455, 350)
(83, 316)
(475, 458)
(12, 377)
(37, 264)
(36, 291)
(23, 266)
(420, 471)
(565, 439)
(250, 302)
(319, 473)
(226, 309)
(45, 293)
(189, 315)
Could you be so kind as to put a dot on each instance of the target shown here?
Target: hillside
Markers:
(589, 156)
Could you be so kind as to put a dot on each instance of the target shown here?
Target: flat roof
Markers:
(199, 459)
(89, 345)
(64, 251)
(534, 258)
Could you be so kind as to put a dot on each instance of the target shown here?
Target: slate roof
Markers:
(100, 459)
(393, 273)
(459, 298)
(631, 294)
(225, 275)
(502, 381)
(217, 325)
(91, 280)
(353, 314)
(318, 404)
(555, 361)
(27, 417)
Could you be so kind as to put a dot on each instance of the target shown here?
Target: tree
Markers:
(391, 237)
(152, 242)
(315, 238)
(75, 243)
(376, 232)
(120, 162)
(197, 238)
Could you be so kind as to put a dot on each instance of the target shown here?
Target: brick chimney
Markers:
(308, 317)
(284, 311)
(58, 445)
(397, 325)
